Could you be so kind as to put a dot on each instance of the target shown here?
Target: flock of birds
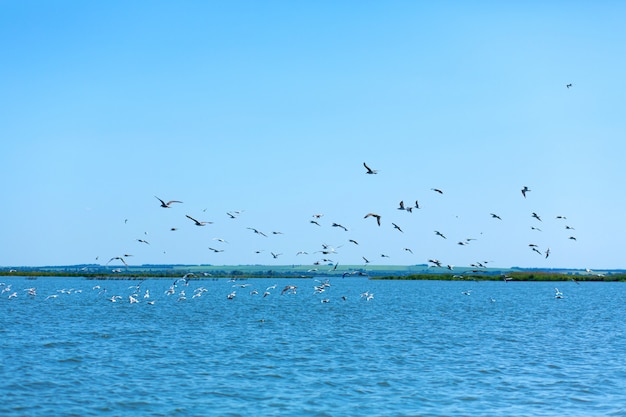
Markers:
(326, 255)
(181, 289)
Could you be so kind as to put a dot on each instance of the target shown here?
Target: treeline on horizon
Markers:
(258, 271)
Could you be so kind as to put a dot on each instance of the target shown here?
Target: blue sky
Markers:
(271, 108)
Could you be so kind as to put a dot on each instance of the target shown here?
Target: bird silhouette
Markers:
(377, 216)
(370, 170)
(167, 205)
(197, 222)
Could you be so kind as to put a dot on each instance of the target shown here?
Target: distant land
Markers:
(421, 271)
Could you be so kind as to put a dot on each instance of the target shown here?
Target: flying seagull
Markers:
(257, 231)
(437, 190)
(167, 205)
(569, 85)
(525, 190)
(536, 216)
(438, 233)
(495, 216)
(395, 226)
(377, 216)
(338, 225)
(119, 258)
(370, 170)
(197, 222)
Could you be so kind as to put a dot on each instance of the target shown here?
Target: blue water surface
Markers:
(415, 348)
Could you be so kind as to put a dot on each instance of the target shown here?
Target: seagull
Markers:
(547, 253)
(525, 190)
(417, 204)
(365, 259)
(353, 241)
(395, 226)
(572, 238)
(118, 257)
(435, 262)
(314, 222)
(437, 190)
(216, 250)
(438, 233)
(557, 293)
(220, 240)
(275, 255)
(401, 206)
(291, 288)
(569, 228)
(257, 231)
(167, 205)
(495, 216)
(568, 85)
(198, 223)
(377, 216)
(143, 241)
(408, 250)
(536, 216)
(369, 170)
(338, 225)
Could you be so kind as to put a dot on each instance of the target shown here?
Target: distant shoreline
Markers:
(417, 272)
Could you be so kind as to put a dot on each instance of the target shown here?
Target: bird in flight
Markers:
(401, 205)
(438, 233)
(340, 226)
(569, 85)
(395, 226)
(437, 190)
(167, 205)
(370, 170)
(257, 231)
(536, 216)
(377, 216)
(216, 250)
(525, 190)
(119, 258)
(143, 241)
(197, 222)
(495, 216)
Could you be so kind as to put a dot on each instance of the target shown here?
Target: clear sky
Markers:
(270, 108)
